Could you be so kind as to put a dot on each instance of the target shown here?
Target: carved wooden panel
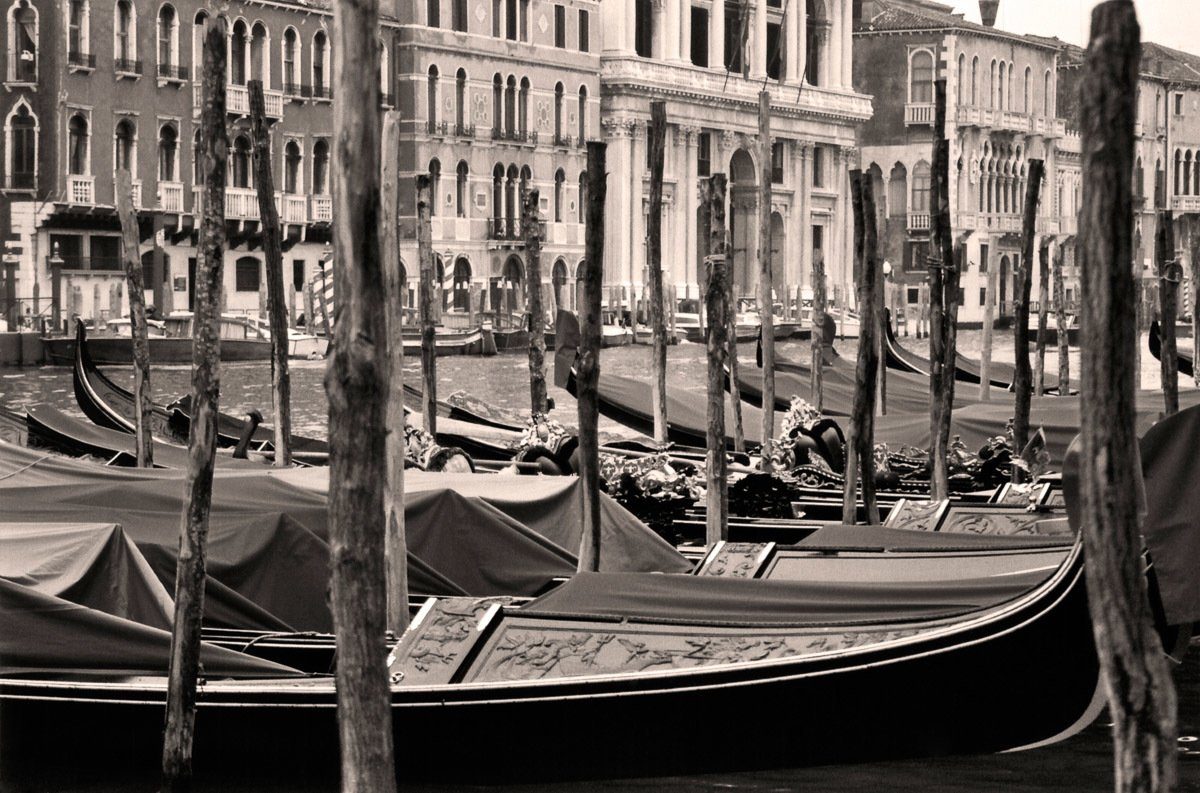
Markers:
(918, 515)
(1023, 494)
(524, 648)
(995, 519)
(737, 559)
(440, 639)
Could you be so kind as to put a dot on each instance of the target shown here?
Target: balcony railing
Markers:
(170, 196)
(89, 263)
(322, 208)
(241, 203)
(81, 60)
(170, 71)
(515, 135)
(919, 114)
(918, 221)
(464, 130)
(81, 189)
(237, 100)
(1185, 203)
(293, 208)
(126, 66)
(503, 229)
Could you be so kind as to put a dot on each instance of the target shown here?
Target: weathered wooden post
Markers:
(818, 330)
(395, 545)
(1043, 332)
(425, 306)
(716, 298)
(356, 383)
(531, 225)
(949, 256)
(658, 341)
(587, 373)
(206, 351)
(132, 262)
(1023, 382)
(860, 457)
(938, 267)
(989, 319)
(766, 280)
(1141, 693)
(1060, 319)
(735, 390)
(281, 381)
(310, 317)
(1168, 290)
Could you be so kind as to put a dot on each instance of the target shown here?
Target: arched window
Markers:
(238, 46)
(320, 65)
(559, 179)
(1000, 86)
(920, 87)
(992, 91)
(247, 274)
(291, 167)
(168, 42)
(526, 181)
(511, 210)
(975, 81)
(1187, 172)
(523, 105)
(1048, 96)
(1139, 180)
(497, 106)
(20, 132)
(1028, 106)
(815, 42)
(498, 201)
(168, 153)
(583, 184)
(125, 148)
(199, 24)
(431, 98)
(198, 177)
(962, 79)
(1178, 162)
(458, 15)
(558, 112)
(510, 107)
(320, 167)
(582, 114)
(435, 177)
(461, 189)
(78, 159)
(291, 62)
(78, 33)
(260, 54)
(1008, 94)
(433, 13)
(460, 101)
(239, 162)
(920, 188)
(1196, 174)
(124, 37)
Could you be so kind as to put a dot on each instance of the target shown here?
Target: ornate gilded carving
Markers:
(1002, 521)
(432, 651)
(918, 515)
(737, 559)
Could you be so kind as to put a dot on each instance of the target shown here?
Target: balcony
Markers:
(515, 136)
(293, 208)
(1047, 225)
(968, 115)
(1185, 203)
(322, 208)
(503, 229)
(918, 221)
(563, 141)
(81, 61)
(81, 189)
(241, 203)
(170, 196)
(237, 100)
(127, 68)
(171, 73)
(918, 114)
(464, 130)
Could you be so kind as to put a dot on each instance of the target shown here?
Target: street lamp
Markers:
(56, 264)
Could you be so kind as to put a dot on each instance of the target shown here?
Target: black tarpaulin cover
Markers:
(712, 599)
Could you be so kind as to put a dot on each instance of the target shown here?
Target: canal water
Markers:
(1083, 763)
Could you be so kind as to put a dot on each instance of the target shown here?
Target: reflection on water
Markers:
(1083, 763)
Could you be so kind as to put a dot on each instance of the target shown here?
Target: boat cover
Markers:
(728, 600)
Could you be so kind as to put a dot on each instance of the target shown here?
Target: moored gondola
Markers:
(1186, 364)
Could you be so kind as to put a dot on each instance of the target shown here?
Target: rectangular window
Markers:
(818, 235)
(247, 275)
(920, 192)
(818, 166)
(774, 61)
(585, 34)
(105, 252)
(69, 248)
(298, 275)
(704, 154)
(735, 28)
(914, 295)
(982, 296)
(560, 27)
(699, 42)
(983, 258)
(643, 27)
(777, 162)
(458, 10)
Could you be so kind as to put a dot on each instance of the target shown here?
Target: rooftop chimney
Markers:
(987, 11)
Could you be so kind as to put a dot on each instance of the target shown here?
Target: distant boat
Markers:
(170, 342)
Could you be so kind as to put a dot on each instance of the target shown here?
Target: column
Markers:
(616, 208)
(834, 59)
(846, 275)
(689, 185)
(670, 33)
(848, 45)
(685, 30)
(635, 244)
(659, 34)
(793, 37)
(803, 213)
(758, 46)
(613, 20)
(716, 36)
(676, 160)
(630, 22)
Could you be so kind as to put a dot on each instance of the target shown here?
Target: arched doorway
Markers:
(508, 295)
(461, 286)
(1004, 268)
(743, 222)
(558, 279)
(579, 285)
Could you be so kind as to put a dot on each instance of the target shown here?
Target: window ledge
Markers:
(120, 75)
(79, 68)
(11, 84)
(23, 191)
(176, 82)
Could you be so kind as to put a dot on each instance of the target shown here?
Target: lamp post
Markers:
(56, 264)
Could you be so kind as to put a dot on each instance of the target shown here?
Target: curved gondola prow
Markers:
(1186, 364)
(895, 356)
(88, 380)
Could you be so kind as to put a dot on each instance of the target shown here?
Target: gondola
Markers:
(966, 370)
(1186, 364)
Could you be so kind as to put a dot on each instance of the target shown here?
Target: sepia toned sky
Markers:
(1173, 23)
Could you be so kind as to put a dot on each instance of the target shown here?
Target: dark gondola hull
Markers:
(118, 350)
(1186, 364)
(1019, 675)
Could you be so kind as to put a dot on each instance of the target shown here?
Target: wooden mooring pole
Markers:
(950, 256)
(132, 262)
(818, 331)
(735, 390)
(395, 544)
(1043, 331)
(356, 383)
(425, 306)
(281, 381)
(717, 302)
(1169, 276)
(766, 299)
(587, 373)
(531, 225)
(1060, 320)
(1023, 382)
(989, 320)
(658, 334)
(206, 350)
(1141, 693)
